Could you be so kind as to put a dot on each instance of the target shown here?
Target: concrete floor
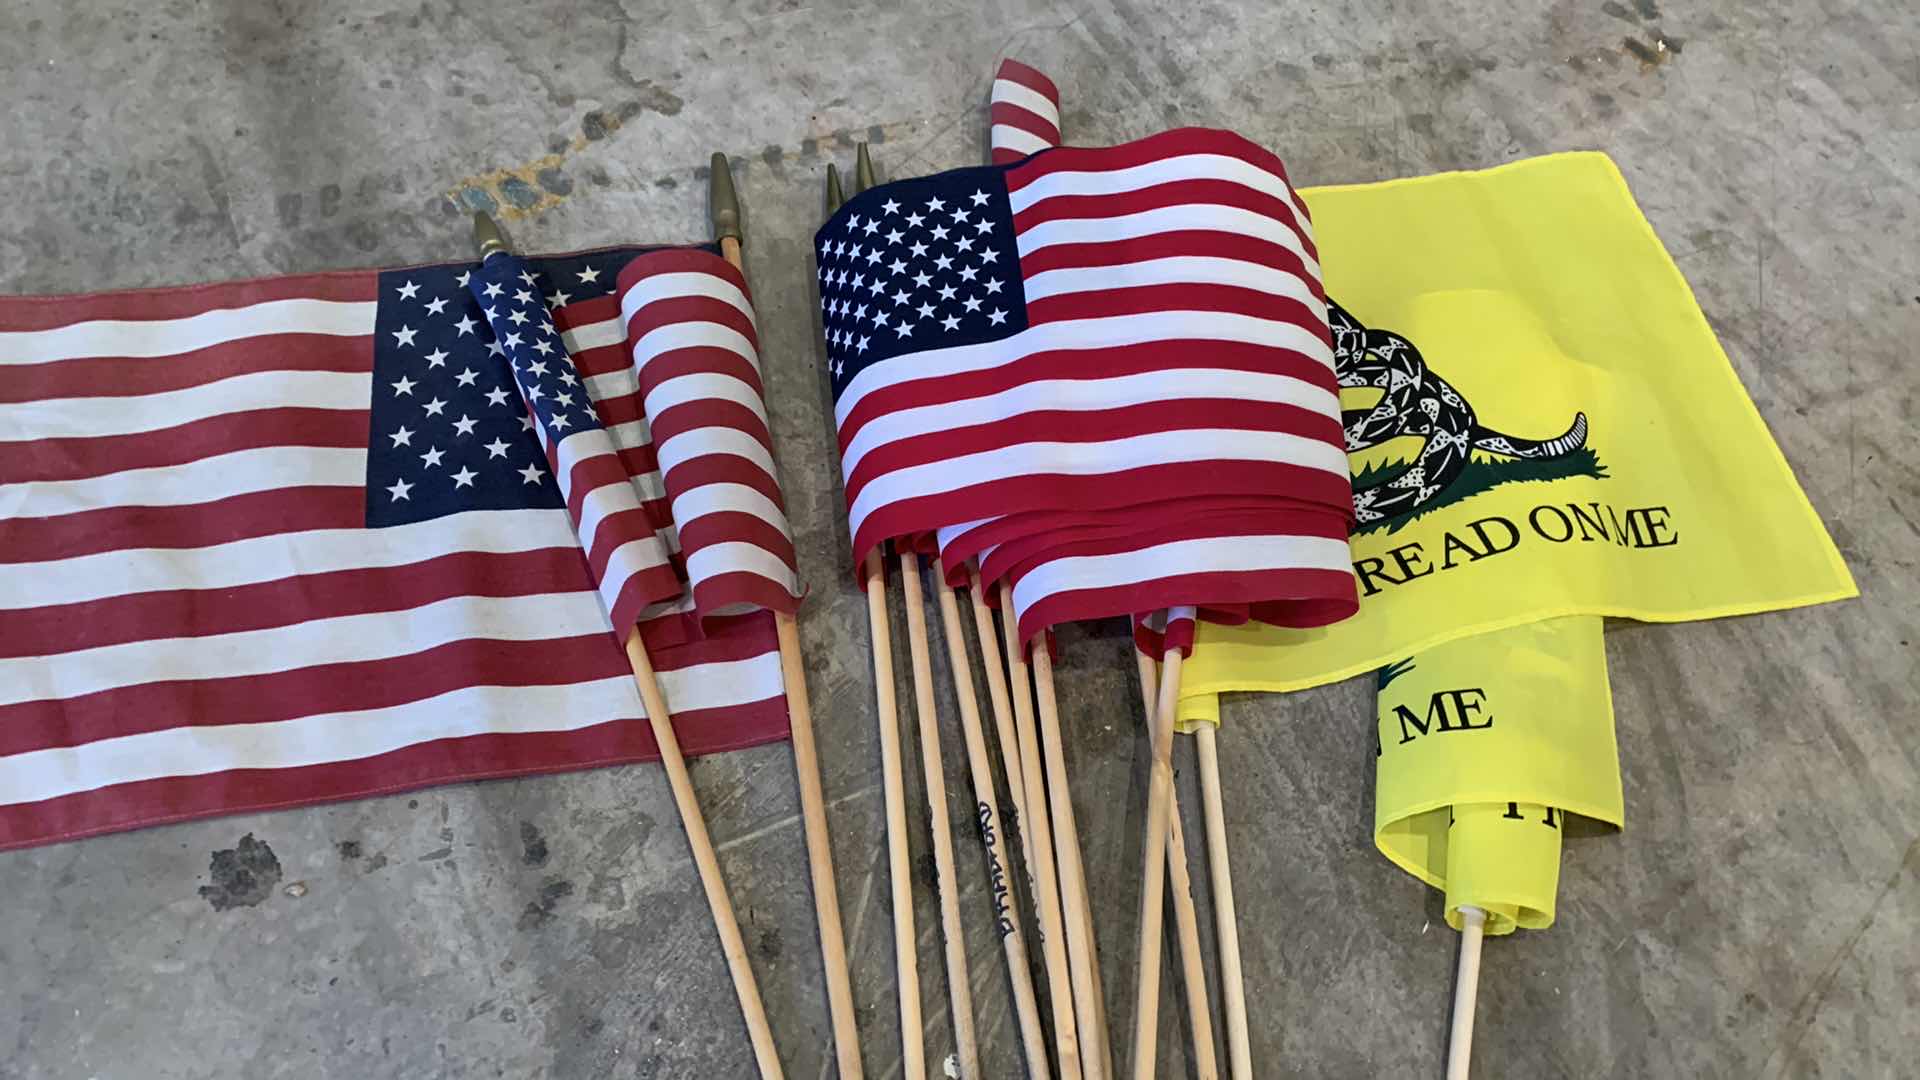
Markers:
(1761, 915)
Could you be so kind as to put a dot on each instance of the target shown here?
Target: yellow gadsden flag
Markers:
(1540, 424)
(1481, 815)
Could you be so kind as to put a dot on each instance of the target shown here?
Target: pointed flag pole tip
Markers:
(862, 171)
(487, 234)
(834, 196)
(723, 199)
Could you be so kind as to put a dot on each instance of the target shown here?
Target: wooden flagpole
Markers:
(906, 964)
(1186, 918)
(1146, 1020)
(959, 984)
(733, 947)
(724, 920)
(727, 228)
(1046, 788)
(1226, 923)
(1466, 993)
(1021, 751)
(1013, 939)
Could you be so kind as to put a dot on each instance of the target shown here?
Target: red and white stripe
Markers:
(193, 619)
(1023, 111)
(696, 353)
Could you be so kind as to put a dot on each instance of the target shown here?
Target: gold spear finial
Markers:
(725, 202)
(862, 171)
(487, 234)
(834, 197)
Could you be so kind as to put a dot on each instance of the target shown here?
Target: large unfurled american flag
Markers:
(1077, 337)
(285, 541)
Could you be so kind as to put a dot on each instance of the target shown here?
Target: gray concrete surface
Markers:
(1760, 917)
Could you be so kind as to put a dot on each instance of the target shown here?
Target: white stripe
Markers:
(348, 736)
(1018, 140)
(1085, 395)
(692, 335)
(90, 417)
(629, 560)
(272, 558)
(242, 472)
(1175, 270)
(1107, 332)
(713, 441)
(617, 383)
(743, 558)
(1209, 217)
(1163, 171)
(340, 640)
(679, 285)
(594, 335)
(1095, 459)
(630, 436)
(1026, 97)
(703, 386)
(146, 338)
(707, 499)
(1218, 554)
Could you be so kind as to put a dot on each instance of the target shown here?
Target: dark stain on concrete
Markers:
(329, 200)
(243, 875)
(533, 845)
(770, 946)
(930, 873)
(775, 157)
(539, 911)
(1650, 56)
(555, 181)
(437, 854)
(876, 135)
(518, 192)
(288, 207)
(596, 124)
(349, 849)
(666, 183)
(375, 863)
(1322, 61)
(1618, 11)
(1647, 9)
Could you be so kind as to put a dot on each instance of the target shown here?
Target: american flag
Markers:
(278, 542)
(696, 350)
(1081, 336)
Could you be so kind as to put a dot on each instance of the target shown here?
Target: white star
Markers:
(889, 206)
(465, 276)
(926, 311)
(950, 321)
(942, 262)
(399, 489)
(914, 220)
(496, 448)
(872, 256)
(860, 312)
(559, 299)
(433, 407)
(464, 425)
(965, 243)
(494, 349)
(894, 236)
(436, 305)
(900, 297)
(560, 421)
(538, 367)
(563, 398)
(531, 474)
(517, 318)
(918, 249)
(853, 223)
(860, 346)
(993, 286)
(903, 329)
(921, 279)
(879, 318)
(946, 292)
(869, 227)
(465, 325)
(522, 296)
(489, 313)
(496, 396)
(988, 255)
(534, 392)
(403, 437)
(996, 317)
(567, 377)
(526, 277)
(436, 358)
(939, 232)
(984, 225)
(935, 204)
(465, 378)
(493, 289)
(432, 457)
(526, 422)
(972, 302)
(959, 214)
(404, 335)
(979, 198)
(404, 386)
(876, 286)
(406, 291)
(967, 273)
(464, 478)
(543, 346)
(512, 339)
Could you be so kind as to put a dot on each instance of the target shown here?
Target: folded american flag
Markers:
(1086, 336)
(285, 541)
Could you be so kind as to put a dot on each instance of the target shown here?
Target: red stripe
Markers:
(1175, 143)
(699, 361)
(1195, 193)
(688, 420)
(477, 757)
(740, 589)
(1030, 77)
(1149, 356)
(586, 312)
(1006, 113)
(680, 260)
(51, 460)
(1171, 245)
(60, 628)
(615, 411)
(1211, 299)
(1301, 597)
(640, 592)
(730, 527)
(602, 359)
(670, 311)
(120, 376)
(721, 469)
(238, 517)
(181, 301)
(1100, 425)
(1133, 528)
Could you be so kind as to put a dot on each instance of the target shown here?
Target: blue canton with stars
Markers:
(917, 265)
(448, 431)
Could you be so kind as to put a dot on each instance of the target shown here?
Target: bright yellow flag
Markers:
(1486, 746)
(1541, 423)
